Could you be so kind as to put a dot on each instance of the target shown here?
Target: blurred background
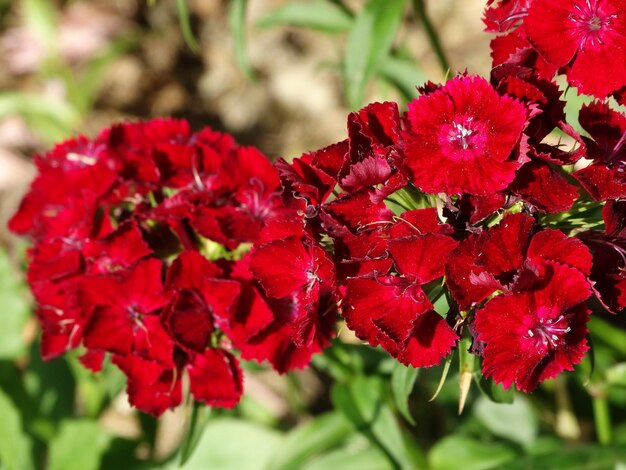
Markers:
(282, 76)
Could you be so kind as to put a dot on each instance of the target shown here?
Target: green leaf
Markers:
(79, 445)
(52, 387)
(444, 375)
(493, 391)
(369, 43)
(362, 456)
(231, 444)
(321, 16)
(15, 446)
(40, 18)
(362, 402)
(15, 311)
(603, 331)
(516, 422)
(237, 21)
(404, 74)
(616, 375)
(50, 118)
(303, 442)
(185, 26)
(402, 382)
(587, 457)
(454, 452)
(199, 417)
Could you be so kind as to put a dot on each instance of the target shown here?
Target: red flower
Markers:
(393, 311)
(122, 312)
(286, 331)
(588, 36)
(505, 15)
(604, 178)
(509, 257)
(199, 301)
(609, 257)
(534, 335)
(464, 124)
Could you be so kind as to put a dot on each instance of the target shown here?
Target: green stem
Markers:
(602, 419)
(433, 37)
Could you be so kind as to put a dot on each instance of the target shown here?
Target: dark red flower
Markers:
(199, 301)
(588, 36)
(151, 387)
(604, 178)
(396, 314)
(215, 378)
(505, 15)
(609, 257)
(122, 309)
(534, 335)
(285, 331)
(509, 257)
(464, 124)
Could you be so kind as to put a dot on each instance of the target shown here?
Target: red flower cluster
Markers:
(167, 249)
(585, 39)
(123, 228)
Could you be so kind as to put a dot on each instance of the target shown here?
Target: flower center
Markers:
(549, 333)
(590, 21)
(460, 134)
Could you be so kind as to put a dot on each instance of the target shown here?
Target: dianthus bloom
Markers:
(586, 36)
(461, 125)
(533, 335)
(535, 328)
(130, 260)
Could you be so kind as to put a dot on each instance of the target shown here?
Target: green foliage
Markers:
(185, 26)
(83, 435)
(402, 382)
(319, 435)
(237, 19)
(15, 311)
(320, 16)
(369, 43)
(456, 450)
(15, 445)
(516, 422)
(228, 443)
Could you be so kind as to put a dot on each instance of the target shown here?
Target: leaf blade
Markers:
(369, 43)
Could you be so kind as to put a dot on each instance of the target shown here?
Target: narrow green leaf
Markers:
(15, 310)
(237, 20)
(199, 417)
(498, 418)
(15, 446)
(444, 375)
(325, 432)
(457, 451)
(362, 402)
(185, 26)
(321, 16)
(79, 445)
(402, 382)
(51, 118)
(40, 18)
(467, 362)
(231, 444)
(369, 43)
(404, 74)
